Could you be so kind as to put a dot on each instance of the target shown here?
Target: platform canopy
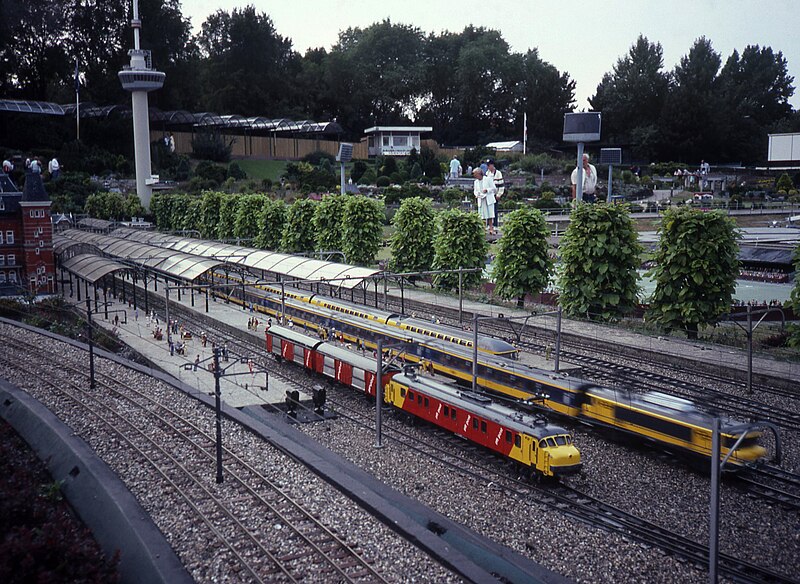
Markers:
(291, 266)
(31, 107)
(174, 264)
(91, 267)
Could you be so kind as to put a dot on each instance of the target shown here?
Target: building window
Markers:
(31, 213)
(2, 277)
(37, 251)
(401, 141)
(12, 277)
(41, 243)
(386, 141)
(2, 260)
(12, 259)
(9, 237)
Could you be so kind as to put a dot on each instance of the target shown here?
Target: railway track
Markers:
(469, 460)
(176, 451)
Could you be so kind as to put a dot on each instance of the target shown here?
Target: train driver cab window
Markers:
(402, 392)
(561, 440)
(411, 395)
(508, 436)
(543, 443)
(483, 427)
(517, 440)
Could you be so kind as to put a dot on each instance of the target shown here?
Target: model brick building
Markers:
(26, 238)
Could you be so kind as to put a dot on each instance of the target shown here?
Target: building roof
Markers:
(505, 146)
(398, 129)
(33, 191)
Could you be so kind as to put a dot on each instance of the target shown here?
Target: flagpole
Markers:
(77, 104)
(525, 134)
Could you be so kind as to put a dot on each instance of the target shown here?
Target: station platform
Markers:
(239, 387)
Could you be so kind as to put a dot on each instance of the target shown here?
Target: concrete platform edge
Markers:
(96, 493)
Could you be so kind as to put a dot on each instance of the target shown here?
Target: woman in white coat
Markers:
(484, 190)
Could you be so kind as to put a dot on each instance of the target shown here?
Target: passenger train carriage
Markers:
(680, 427)
(545, 449)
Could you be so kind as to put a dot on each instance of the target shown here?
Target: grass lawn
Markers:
(261, 169)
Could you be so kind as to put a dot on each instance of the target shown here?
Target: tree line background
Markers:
(469, 86)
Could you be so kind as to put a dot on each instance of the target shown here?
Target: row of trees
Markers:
(468, 85)
(696, 261)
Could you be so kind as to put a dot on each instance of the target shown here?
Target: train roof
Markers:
(484, 342)
(656, 402)
(479, 405)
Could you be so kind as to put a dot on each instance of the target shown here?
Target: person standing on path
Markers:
(483, 189)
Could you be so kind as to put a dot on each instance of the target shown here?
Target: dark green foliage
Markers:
(211, 146)
(315, 158)
(453, 196)
(328, 222)
(536, 163)
(387, 165)
(227, 216)
(429, 163)
(362, 229)
(247, 224)
(310, 178)
(235, 171)
(412, 241)
(210, 171)
(272, 221)
(183, 169)
(209, 214)
(599, 258)
(522, 265)
(794, 301)
(460, 242)
(784, 182)
(70, 192)
(358, 170)
(132, 206)
(696, 268)
(383, 181)
(416, 171)
(159, 208)
(474, 156)
(298, 231)
(105, 205)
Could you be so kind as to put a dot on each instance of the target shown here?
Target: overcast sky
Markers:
(584, 39)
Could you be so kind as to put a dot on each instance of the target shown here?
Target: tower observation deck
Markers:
(139, 78)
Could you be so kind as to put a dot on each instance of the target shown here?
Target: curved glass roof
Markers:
(295, 267)
(31, 107)
(170, 262)
(92, 267)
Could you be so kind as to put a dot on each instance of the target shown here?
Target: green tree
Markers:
(247, 66)
(328, 222)
(755, 90)
(362, 229)
(188, 213)
(692, 104)
(460, 242)
(105, 205)
(272, 221)
(132, 207)
(784, 183)
(226, 227)
(696, 268)
(794, 301)
(298, 231)
(523, 265)
(632, 96)
(599, 258)
(209, 214)
(247, 224)
(159, 207)
(412, 240)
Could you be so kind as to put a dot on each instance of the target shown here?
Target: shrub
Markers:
(235, 171)
(412, 241)
(211, 146)
(316, 157)
(211, 172)
(383, 181)
(358, 170)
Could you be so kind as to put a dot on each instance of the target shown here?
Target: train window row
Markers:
(451, 412)
(659, 425)
(517, 438)
(476, 422)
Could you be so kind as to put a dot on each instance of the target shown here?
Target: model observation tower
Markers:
(139, 78)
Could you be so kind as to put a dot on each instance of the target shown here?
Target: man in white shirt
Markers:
(455, 168)
(55, 168)
(589, 180)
